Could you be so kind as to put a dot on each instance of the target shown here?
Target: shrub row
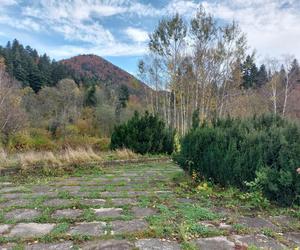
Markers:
(263, 150)
(143, 134)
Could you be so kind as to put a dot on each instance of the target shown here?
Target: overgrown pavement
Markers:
(145, 206)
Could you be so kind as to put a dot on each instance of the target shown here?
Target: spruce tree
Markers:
(262, 76)
(250, 72)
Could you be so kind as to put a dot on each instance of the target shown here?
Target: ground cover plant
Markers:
(260, 153)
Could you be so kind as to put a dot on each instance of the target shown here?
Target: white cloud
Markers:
(24, 24)
(7, 2)
(136, 35)
(272, 28)
(75, 21)
(182, 7)
(114, 49)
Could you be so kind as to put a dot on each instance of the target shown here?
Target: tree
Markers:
(123, 97)
(90, 96)
(286, 70)
(31, 69)
(35, 79)
(12, 116)
(273, 88)
(250, 72)
(262, 76)
(193, 66)
(166, 42)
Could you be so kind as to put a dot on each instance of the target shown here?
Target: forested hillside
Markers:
(30, 68)
(37, 71)
(74, 102)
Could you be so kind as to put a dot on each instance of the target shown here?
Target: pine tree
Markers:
(295, 72)
(123, 97)
(29, 68)
(262, 76)
(250, 72)
(35, 79)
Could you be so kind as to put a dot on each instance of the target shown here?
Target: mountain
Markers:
(95, 69)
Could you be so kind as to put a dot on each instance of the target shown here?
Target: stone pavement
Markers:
(112, 211)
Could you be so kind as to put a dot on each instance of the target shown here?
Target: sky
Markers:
(118, 29)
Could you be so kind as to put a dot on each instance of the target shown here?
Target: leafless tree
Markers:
(12, 116)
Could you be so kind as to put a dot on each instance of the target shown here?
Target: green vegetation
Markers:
(143, 134)
(261, 153)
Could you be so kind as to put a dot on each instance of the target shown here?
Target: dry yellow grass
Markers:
(68, 156)
(124, 154)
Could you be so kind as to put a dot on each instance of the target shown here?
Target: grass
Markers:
(69, 156)
(182, 222)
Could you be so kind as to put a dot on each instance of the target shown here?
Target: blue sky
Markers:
(118, 29)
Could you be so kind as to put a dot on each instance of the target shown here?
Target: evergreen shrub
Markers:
(143, 134)
(261, 151)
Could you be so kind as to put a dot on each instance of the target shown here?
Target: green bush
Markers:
(41, 140)
(33, 139)
(143, 134)
(264, 150)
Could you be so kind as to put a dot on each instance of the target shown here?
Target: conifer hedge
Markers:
(143, 134)
(263, 150)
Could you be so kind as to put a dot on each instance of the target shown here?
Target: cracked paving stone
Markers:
(16, 202)
(13, 196)
(129, 226)
(67, 245)
(138, 193)
(69, 188)
(67, 213)
(112, 194)
(256, 223)
(107, 245)
(293, 237)
(88, 228)
(41, 188)
(260, 241)
(22, 214)
(11, 189)
(93, 202)
(5, 228)
(156, 244)
(141, 212)
(123, 201)
(6, 184)
(31, 230)
(57, 202)
(214, 243)
(108, 212)
(48, 194)
(282, 220)
(8, 246)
